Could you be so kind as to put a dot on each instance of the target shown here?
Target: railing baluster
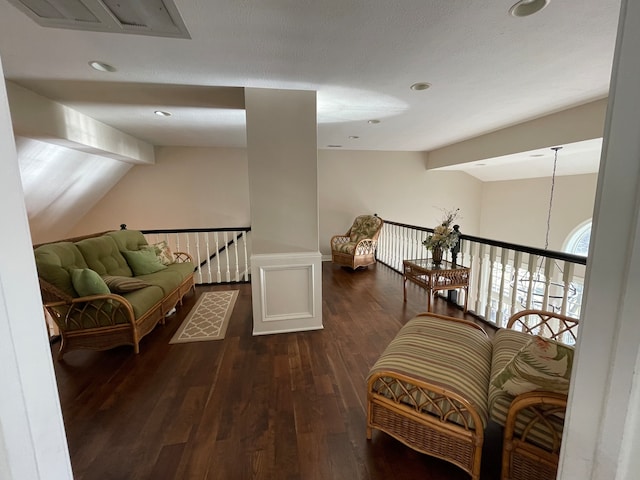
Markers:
(548, 274)
(492, 260)
(235, 244)
(504, 258)
(206, 239)
(226, 250)
(567, 278)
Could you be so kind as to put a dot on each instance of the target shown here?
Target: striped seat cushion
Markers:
(443, 353)
(506, 343)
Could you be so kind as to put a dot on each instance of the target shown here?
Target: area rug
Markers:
(208, 319)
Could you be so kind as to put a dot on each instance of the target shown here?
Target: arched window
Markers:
(578, 241)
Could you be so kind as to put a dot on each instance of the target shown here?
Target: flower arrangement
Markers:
(444, 236)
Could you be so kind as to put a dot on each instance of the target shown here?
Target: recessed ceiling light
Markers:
(334, 146)
(162, 113)
(353, 137)
(420, 86)
(373, 122)
(524, 8)
(536, 155)
(481, 164)
(101, 66)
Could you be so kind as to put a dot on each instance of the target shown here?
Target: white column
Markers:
(602, 426)
(286, 263)
(33, 443)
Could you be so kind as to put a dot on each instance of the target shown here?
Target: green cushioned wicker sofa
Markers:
(110, 288)
(441, 380)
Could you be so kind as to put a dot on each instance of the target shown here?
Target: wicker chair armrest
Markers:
(183, 257)
(338, 239)
(420, 398)
(541, 407)
(366, 246)
(546, 324)
(94, 311)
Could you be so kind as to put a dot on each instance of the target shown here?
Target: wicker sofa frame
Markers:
(102, 315)
(460, 443)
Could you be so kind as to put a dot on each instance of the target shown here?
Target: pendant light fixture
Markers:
(536, 284)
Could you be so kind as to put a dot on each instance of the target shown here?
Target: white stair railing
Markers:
(505, 277)
(220, 255)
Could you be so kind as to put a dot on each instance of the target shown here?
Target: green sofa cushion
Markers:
(87, 282)
(128, 239)
(143, 262)
(54, 262)
(103, 256)
(144, 299)
(170, 278)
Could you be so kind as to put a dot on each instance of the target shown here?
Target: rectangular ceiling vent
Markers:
(159, 18)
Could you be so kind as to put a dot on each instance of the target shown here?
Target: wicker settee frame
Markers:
(395, 411)
(451, 428)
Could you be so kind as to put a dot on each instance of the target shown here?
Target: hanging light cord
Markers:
(553, 184)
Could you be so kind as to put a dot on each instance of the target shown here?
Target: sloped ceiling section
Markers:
(68, 161)
(62, 184)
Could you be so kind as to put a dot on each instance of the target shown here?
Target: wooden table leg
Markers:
(404, 286)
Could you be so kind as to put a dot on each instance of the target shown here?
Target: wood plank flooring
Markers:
(286, 407)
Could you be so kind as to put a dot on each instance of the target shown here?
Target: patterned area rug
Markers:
(208, 319)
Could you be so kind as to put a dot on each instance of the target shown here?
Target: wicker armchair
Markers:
(535, 420)
(357, 247)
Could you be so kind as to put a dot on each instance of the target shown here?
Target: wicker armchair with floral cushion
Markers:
(530, 376)
(357, 247)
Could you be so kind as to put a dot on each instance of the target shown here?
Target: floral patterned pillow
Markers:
(542, 364)
(164, 253)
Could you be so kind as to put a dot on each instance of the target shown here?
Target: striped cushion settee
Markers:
(441, 380)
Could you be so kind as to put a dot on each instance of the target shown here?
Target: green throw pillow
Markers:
(87, 282)
(143, 261)
(119, 284)
(542, 364)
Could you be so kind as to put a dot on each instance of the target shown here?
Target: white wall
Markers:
(601, 436)
(396, 186)
(208, 187)
(186, 188)
(32, 438)
(516, 211)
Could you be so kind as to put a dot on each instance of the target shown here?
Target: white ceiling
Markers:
(488, 70)
(573, 159)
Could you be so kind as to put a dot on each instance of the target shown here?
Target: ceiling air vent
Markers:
(159, 18)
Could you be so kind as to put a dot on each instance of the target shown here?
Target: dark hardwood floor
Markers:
(288, 406)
